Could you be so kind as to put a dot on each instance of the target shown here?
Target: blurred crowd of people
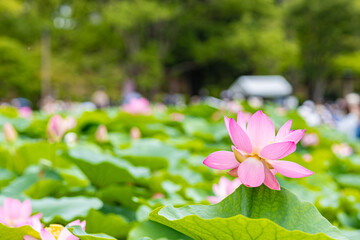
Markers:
(343, 114)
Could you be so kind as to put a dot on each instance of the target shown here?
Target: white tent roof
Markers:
(270, 86)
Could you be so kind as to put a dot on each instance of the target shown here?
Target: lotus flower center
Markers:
(55, 230)
(240, 158)
(10, 222)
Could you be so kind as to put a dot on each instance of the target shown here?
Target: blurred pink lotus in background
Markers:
(223, 189)
(9, 132)
(58, 232)
(135, 133)
(256, 152)
(14, 213)
(58, 126)
(342, 149)
(158, 196)
(177, 117)
(307, 157)
(138, 106)
(101, 134)
(25, 112)
(233, 106)
(310, 139)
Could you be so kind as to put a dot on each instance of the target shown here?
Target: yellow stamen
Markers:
(240, 157)
(55, 230)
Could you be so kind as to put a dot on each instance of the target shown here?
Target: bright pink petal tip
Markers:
(221, 160)
(283, 131)
(270, 179)
(290, 169)
(261, 130)
(294, 136)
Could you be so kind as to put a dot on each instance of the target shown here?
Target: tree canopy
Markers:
(176, 46)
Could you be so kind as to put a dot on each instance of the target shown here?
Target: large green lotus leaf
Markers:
(152, 153)
(250, 213)
(32, 152)
(122, 195)
(125, 121)
(159, 129)
(46, 181)
(20, 184)
(349, 180)
(188, 143)
(200, 110)
(74, 177)
(150, 230)
(93, 118)
(67, 208)
(19, 123)
(8, 233)
(117, 139)
(8, 111)
(352, 234)
(5, 177)
(112, 224)
(104, 169)
(82, 235)
(199, 127)
(188, 175)
(44, 188)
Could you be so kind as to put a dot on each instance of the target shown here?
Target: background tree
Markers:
(176, 46)
(324, 29)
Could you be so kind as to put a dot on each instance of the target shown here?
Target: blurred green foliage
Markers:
(114, 185)
(177, 45)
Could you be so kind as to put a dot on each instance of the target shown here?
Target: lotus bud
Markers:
(135, 133)
(58, 126)
(101, 134)
(138, 106)
(177, 117)
(55, 128)
(158, 196)
(10, 133)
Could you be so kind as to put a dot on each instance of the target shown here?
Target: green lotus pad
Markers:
(250, 213)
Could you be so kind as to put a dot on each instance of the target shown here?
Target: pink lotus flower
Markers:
(58, 126)
(223, 189)
(14, 213)
(342, 149)
(58, 232)
(25, 112)
(254, 158)
(138, 106)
